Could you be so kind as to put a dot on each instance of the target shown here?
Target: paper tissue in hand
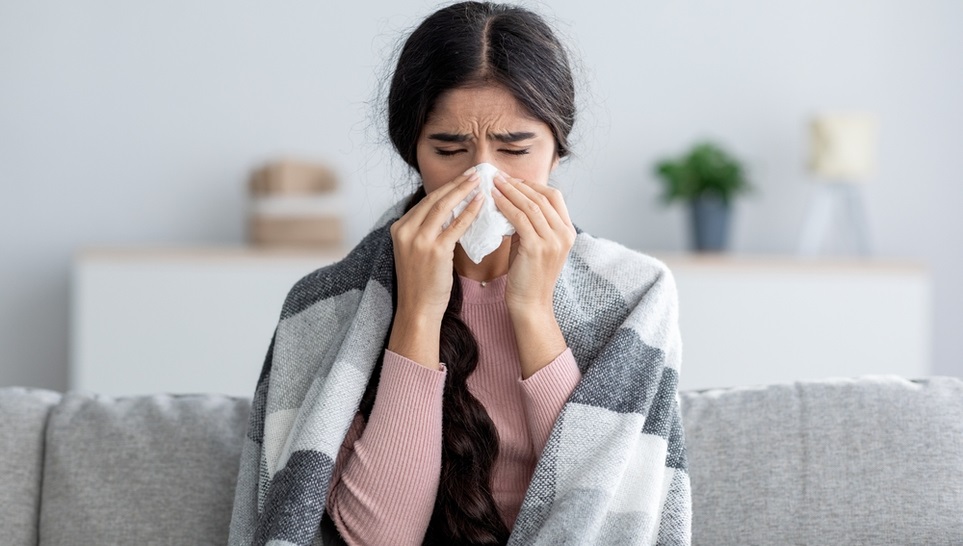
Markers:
(485, 234)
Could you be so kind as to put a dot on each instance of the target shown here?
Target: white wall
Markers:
(134, 123)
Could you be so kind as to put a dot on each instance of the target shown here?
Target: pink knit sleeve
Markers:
(545, 392)
(386, 477)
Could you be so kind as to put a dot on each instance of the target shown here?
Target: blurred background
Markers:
(137, 126)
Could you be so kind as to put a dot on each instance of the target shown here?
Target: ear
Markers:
(555, 162)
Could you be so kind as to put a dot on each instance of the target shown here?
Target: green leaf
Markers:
(705, 168)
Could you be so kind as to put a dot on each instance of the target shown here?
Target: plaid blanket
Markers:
(614, 468)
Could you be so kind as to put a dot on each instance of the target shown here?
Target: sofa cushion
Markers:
(871, 460)
(156, 469)
(23, 416)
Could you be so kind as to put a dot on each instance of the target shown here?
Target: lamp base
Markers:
(819, 216)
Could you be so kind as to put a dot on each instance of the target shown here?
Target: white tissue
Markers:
(484, 234)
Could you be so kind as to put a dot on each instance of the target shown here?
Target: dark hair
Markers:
(462, 45)
(478, 43)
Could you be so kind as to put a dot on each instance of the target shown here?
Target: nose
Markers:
(483, 155)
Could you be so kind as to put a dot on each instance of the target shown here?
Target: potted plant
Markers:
(707, 178)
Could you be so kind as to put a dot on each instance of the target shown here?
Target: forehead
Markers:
(487, 105)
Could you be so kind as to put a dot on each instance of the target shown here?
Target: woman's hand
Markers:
(424, 259)
(544, 234)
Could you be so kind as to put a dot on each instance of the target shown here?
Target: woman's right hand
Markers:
(424, 259)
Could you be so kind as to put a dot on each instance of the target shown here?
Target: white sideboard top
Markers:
(199, 319)
(224, 254)
(723, 261)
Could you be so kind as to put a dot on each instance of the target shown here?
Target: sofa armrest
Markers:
(23, 418)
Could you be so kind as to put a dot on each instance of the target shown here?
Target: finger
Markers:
(530, 208)
(544, 203)
(461, 186)
(441, 210)
(443, 191)
(558, 202)
(460, 225)
(515, 216)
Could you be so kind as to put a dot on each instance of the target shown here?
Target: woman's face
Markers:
(473, 125)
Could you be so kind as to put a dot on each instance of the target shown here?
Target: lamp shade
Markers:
(842, 146)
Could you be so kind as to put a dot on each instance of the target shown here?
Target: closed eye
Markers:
(441, 152)
(516, 152)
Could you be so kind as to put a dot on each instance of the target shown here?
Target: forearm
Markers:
(386, 490)
(538, 336)
(416, 335)
(545, 393)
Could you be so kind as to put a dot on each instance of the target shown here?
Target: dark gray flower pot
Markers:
(709, 217)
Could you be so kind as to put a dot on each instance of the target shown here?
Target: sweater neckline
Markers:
(473, 291)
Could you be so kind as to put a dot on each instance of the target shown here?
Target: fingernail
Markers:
(499, 176)
(478, 197)
(496, 193)
(474, 177)
(469, 171)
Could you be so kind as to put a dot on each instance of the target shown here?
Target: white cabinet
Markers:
(181, 320)
(178, 320)
(751, 321)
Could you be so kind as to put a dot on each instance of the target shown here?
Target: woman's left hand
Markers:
(544, 234)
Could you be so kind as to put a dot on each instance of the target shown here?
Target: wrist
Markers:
(537, 313)
(416, 336)
(539, 339)
(419, 314)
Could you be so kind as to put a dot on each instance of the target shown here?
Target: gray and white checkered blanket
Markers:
(614, 468)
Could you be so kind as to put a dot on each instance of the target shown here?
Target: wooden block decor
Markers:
(322, 231)
(294, 204)
(292, 176)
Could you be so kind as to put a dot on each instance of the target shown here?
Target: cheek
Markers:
(536, 170)
(541, 175)
(432, 172)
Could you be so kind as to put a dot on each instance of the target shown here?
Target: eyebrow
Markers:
(507, 138)
(512, 137)
(448, 137)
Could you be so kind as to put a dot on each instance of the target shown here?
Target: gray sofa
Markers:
(871, 460)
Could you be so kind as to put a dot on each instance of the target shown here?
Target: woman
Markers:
(412, 395)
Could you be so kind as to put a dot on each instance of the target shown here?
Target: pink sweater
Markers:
(387, 473)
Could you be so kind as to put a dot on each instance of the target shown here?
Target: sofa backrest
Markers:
(157, 469)
(873, 460)
(23, 415)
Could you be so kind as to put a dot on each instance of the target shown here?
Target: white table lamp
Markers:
(842, 149)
